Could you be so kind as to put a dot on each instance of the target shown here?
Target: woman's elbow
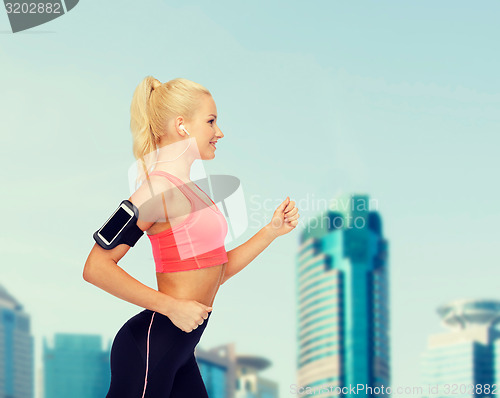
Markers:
(95, 259)
(90, 268)
(87, 271)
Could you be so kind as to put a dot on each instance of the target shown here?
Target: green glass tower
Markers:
(342, 301)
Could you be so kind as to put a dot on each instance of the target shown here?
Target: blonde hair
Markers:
(153, 105)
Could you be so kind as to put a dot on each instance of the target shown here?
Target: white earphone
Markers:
(183, 128)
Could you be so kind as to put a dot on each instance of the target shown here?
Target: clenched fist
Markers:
(285, 218)
(187, 315)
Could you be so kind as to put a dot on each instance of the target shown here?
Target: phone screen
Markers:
(115, 224)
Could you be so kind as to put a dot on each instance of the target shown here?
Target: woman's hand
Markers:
(284, 218)
(187, 315)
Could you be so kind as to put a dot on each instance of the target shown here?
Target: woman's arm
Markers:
(241, 256)
(284, 220)
(109, 276)
(102, 269)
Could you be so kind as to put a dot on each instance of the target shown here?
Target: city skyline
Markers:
(78, 365)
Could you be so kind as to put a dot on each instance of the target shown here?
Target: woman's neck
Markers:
(175, 159)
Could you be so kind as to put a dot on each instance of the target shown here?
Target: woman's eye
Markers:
(211, 121)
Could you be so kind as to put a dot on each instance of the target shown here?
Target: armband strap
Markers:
(132, 235)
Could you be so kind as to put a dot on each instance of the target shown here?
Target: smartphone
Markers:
(115, 224)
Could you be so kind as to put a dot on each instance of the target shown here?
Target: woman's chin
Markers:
(208, 156)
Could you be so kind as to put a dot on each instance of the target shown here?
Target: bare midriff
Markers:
(197, 284)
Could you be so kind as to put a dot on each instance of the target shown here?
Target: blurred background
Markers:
(379, 119)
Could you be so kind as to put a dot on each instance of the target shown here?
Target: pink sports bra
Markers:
(197, 242)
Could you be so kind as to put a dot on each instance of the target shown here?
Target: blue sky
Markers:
(398, 100)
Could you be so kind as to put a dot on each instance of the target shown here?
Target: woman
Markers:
(153, 353)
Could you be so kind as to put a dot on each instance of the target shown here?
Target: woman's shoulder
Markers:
(150, 196)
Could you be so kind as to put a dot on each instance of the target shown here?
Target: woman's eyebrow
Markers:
(213, 115)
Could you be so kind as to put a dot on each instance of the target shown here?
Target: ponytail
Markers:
(144, 139)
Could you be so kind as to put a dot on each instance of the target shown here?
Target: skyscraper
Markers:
(342, 299)
(466, 359)
(17, 374)
(76, 367)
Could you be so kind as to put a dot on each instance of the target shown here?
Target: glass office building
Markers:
(342, 300)
(228, 375)
(464, 362)
(250, 384)
(17, 375)
(217, 368)
(76, 367)
(214, 376)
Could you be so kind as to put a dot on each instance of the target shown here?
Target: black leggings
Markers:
(172, 371)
